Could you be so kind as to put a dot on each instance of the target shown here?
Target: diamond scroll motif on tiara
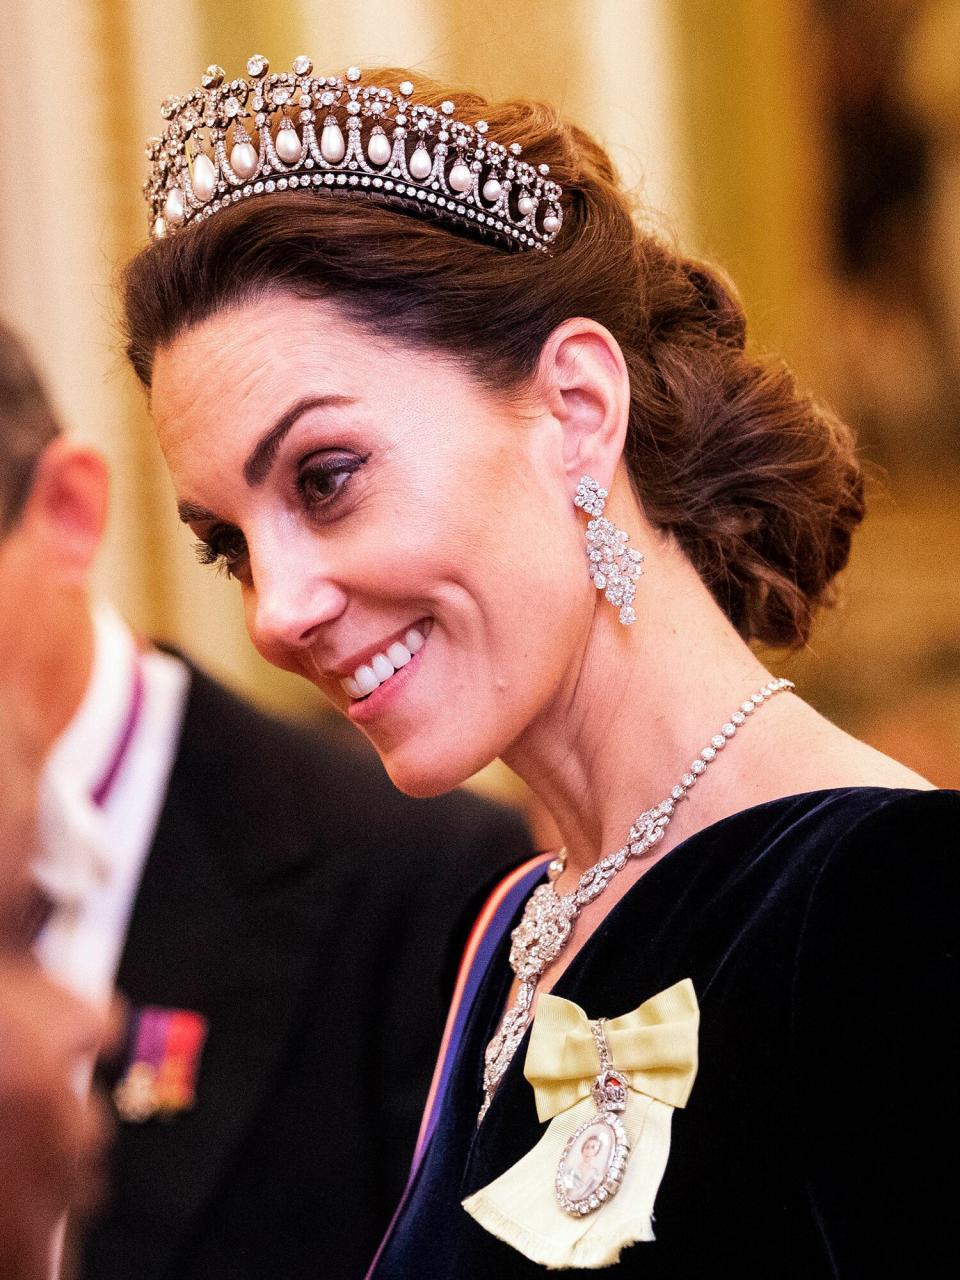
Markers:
(228, 140)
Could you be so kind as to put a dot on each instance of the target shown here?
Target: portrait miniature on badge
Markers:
(592, 1165)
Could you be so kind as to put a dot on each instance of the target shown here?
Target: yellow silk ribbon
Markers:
(655, 1048)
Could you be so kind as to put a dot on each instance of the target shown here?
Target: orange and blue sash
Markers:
(492, 924)
(485, 937)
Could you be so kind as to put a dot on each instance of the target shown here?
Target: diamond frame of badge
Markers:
(609, 1185)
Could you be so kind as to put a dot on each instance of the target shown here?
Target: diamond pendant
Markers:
(594, 1159)
(542, 933)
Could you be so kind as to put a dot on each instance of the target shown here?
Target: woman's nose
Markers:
(290, 607)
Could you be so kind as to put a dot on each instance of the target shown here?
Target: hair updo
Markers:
(761, 488)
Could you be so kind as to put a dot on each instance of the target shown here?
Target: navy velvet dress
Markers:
(820, 932)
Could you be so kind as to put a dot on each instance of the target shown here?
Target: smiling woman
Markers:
(338, 480)
(391, 364)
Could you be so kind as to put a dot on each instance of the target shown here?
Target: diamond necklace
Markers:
(548, 918)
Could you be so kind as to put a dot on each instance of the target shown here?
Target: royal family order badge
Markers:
(607, 1090)
(593, 1161)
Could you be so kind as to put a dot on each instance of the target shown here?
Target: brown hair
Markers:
(760, 486)
(27, 425)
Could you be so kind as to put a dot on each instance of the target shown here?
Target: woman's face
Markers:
(389, 523)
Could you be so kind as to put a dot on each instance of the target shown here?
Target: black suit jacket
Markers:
(314, 915)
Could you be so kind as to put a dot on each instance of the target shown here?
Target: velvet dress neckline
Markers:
(805, 923)
(709, 831)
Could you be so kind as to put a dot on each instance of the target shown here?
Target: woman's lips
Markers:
(365, 709)
(384, 665)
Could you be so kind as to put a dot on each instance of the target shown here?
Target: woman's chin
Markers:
(423, 775)
(424, 783)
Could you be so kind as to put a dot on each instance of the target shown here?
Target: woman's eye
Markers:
(225, 547)
(321, 480)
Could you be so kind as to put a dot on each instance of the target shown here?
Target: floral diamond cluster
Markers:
(613, 566)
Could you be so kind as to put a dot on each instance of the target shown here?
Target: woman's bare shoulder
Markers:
(879, 770)
(807, 752)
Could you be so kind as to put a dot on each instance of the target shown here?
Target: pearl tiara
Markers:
(229, 140)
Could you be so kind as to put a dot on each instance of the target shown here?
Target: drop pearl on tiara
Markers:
(204, 178)
(288, 145)
(243, 160)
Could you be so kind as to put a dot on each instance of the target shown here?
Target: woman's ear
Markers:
(67, 509)
(583, 377)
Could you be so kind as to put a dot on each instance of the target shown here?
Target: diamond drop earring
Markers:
(613, 566)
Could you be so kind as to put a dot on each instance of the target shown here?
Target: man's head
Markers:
(53, 501)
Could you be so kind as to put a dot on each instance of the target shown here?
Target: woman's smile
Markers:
(382, 661)
(391, 685)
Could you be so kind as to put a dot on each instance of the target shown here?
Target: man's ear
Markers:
(67, 508)
(583, 377)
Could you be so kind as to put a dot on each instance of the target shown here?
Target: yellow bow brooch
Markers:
(608, 1088)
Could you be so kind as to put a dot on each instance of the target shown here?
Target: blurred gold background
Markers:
(812, 147)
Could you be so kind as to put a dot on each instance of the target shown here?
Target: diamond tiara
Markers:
(229, 140)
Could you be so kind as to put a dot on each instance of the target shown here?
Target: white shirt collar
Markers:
(74, 853)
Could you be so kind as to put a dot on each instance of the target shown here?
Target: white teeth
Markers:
(383, 668)
(399, 654)
(366, 680)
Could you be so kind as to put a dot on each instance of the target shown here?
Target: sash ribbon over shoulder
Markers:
(655, 1048)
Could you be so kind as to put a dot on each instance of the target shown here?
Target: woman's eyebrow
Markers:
(258, 464)
(191, 513)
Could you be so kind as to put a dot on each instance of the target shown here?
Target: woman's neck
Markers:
(642, 703)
